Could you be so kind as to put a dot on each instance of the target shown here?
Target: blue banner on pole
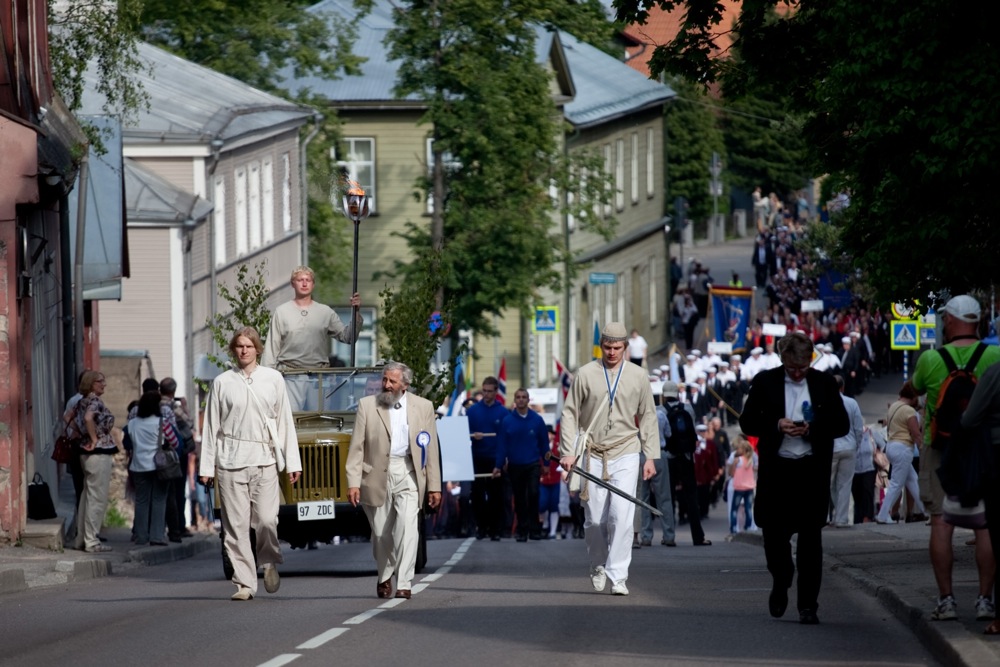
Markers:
(731, 315)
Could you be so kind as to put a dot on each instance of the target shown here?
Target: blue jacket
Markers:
(485, 419)
(522, 440)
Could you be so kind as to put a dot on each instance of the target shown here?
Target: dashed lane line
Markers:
(333, 633)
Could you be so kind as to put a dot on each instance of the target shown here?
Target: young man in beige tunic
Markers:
(299, 338)
(606, 400)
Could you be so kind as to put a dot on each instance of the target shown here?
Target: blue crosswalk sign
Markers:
(905, 335)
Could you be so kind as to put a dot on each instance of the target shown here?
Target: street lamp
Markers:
(357, 209)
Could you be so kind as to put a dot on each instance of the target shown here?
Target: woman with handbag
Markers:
(248, 436)
(95, 423)
(903, 433)
(149, 433)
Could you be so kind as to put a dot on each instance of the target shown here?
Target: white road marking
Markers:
(362, 617)
(321, 639)
(280, 660)
(333, 633)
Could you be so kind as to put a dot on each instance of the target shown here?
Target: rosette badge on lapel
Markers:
(423, 439)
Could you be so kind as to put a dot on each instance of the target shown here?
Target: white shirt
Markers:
(796, 393)
(400, 443)
(637, 347)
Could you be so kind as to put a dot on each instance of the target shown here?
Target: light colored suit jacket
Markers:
(368, 456)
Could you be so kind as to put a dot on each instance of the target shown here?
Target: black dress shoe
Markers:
(384, 588)
(777, 602)
(808, 617)
(668, 543)
(703, 543)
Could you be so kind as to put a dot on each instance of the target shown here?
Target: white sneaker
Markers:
(619, 588)
(985, 611)
(242, 594)
(598, 578)
(946, 609)
(271, 579)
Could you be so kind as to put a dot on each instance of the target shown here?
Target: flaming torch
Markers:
(356, 208)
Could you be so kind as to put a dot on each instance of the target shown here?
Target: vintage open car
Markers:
(316, 507)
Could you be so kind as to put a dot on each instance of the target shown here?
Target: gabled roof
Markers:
(606, 88)
(150, 199)
(596, 88)
(189, 103)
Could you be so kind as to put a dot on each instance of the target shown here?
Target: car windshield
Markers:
(331, 390)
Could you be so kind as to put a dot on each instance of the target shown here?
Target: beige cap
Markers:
(614, 331)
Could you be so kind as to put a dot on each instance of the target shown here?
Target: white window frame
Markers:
(352, 164)
(634, 160)
(620, 174)
(286, 193)
(253, 204)
(650, 163)
(607, 172)
(267, 199)
(653, 279)
(240, 194)
(219, 218)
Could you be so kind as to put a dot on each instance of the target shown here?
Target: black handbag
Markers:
(168, 464)
(40, 505)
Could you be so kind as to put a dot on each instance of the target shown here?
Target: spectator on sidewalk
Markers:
(845, 451)
(863, 485)
(960, 327)
(903, 429)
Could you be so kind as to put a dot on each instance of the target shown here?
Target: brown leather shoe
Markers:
(384, 589)
(403, 593)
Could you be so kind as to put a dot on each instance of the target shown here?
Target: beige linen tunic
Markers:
(235, 435)
(299, 336)
(589, 395)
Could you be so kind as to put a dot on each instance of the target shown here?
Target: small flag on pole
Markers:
(502, 382)
(458, 394)
(597, 341)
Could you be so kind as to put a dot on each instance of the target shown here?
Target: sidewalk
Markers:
(24, 567)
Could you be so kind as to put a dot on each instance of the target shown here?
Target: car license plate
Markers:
(315, 510)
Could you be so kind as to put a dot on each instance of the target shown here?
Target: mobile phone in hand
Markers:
(799, 423)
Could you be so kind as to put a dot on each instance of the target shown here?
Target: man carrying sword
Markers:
(599, 434)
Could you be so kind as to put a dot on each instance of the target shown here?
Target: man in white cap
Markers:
(690, 370)
(960, 328)
(755, 364)
(598, 430)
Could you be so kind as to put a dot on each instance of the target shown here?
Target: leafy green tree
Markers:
(496, 152)
(250, 40)
(764, 144)
(84, 31)
(899, 106)
(246, 305)
(692, 135)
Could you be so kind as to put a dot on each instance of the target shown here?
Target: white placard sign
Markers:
(812, 306)
(456, 449)
(720, 348)
(770, 329)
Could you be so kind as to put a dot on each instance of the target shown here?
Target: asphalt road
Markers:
(483, 602)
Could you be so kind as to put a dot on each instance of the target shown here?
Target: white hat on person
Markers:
(963, 307)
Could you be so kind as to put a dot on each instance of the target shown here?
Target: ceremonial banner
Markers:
(729, 312)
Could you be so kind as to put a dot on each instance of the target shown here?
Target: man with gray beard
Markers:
(392, 465)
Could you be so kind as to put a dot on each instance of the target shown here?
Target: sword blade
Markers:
(614, 489)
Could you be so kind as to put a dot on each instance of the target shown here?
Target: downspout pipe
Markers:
(304, 184)
(81, 228)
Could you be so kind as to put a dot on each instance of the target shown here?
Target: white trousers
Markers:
(608, 522)
(394, 525)
(841, 478)
(250, 498)
(903, 476)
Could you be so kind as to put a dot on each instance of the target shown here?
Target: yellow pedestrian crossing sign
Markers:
(905, 335)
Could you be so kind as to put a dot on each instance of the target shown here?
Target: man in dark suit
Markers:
(763, 261)
(796, 412)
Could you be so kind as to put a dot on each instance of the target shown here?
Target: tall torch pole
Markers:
(356, 208)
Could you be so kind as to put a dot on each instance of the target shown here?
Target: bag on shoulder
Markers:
(64, 449)
(683, 439)
(953, 397)
(168, 464)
